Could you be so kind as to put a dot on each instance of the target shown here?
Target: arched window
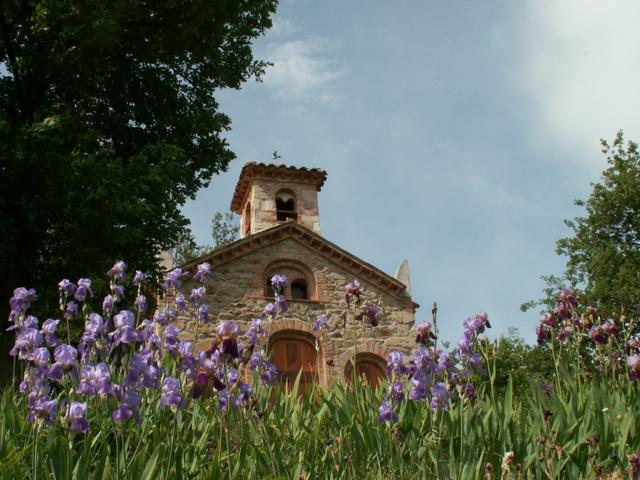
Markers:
(369, 367)
(301, 286)
(270, 291)
(285, 206)
(293, 352)
(299, 289)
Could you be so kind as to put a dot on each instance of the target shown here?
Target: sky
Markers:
(455, 135)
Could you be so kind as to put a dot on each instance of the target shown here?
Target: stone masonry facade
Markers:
(238, 293)
(241, 271)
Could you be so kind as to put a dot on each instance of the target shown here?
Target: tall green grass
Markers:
(583, 429)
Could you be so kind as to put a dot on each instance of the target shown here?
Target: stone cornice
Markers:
(312, 240)
(253, 170)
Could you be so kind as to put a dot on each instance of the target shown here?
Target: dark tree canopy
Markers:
(108, 123)
(603, 254)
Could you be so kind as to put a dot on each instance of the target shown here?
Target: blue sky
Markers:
(455, 134)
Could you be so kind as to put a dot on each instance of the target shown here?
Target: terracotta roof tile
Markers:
(252, 170)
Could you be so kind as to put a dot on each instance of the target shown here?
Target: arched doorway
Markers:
(293, 351)
(369, 367)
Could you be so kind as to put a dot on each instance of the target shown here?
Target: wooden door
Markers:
(290, 355)
(366, 369)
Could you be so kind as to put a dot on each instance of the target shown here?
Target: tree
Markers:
(187, 249)
(224, 229)
(108, 123)
(603, 254)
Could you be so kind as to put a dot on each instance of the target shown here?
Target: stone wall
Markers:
(238, 292)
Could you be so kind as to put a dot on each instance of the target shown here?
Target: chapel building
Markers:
(280, 234)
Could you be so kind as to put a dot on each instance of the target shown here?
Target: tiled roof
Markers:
(254, 169)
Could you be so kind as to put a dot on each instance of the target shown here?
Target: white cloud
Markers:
(282, 27)
(582, 68)
(303, 70)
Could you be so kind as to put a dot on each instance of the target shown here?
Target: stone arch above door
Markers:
(370, 352)
(292, 328)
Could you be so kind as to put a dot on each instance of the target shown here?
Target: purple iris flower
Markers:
(66, 287)
(386, 412)
(255, 360)
(610, 327)
(597, 334)
(279, 282)
(42, 408)
(419, 383)
(125, 318)
(160, 316)
(270, 310)
(282, 304)
(107, 304)
(197, 295)
(203, 313)
(139, 278)
(41, 356)
(369, 312)
(49, 328)
(171, 338)
(118, 292)
(65, 356)
(633, 361)
(84, 289)
(125, 331)
(421, 357)
(424, 333)
(439, 396)
(141, 303)
(397, 391)
(181, 303)
(117, 272)
(22, 299)
(268, 373)
(244, 392)
(204, 273)
(170, 393)
(228, 329)
(320, 322)
(255, 330)
(467, 390)
(395, 364)
(173, 279)
(95, 380)
(352, 291)
(71, 311)
(185, 349)
(142, 371)
(77, 417)
(129, 402)
(27, 340)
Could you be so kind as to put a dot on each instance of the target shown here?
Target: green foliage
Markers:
(603, 254)
(515, 361)
(108, 123)
(224, 229)
(578, 429)
(187, 249)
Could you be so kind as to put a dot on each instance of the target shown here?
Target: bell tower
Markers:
(267, 195)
